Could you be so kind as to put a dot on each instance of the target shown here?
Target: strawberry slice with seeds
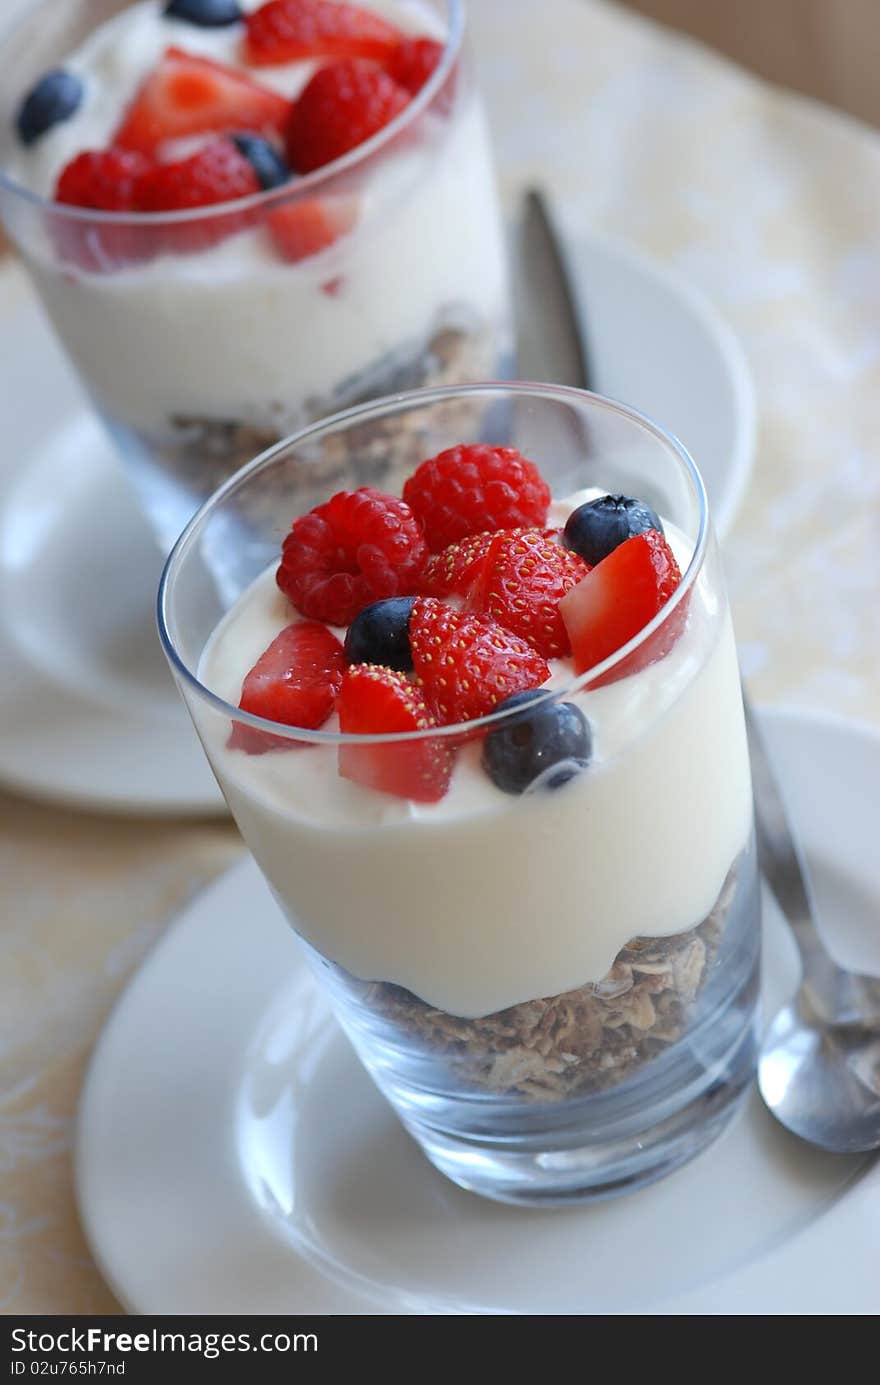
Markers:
(295, 681)
(467, 664)
(456, 569)
(617, 599)
(525, 576)
(187, 95)
(380, 701)
(284, 31)
(301, 229)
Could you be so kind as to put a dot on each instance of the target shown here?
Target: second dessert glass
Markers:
(200, 347)
(557, 991)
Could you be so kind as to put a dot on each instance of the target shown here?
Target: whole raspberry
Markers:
(474, 487)
(344, 104)
(360, 547)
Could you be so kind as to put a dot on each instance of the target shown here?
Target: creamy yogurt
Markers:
(234, 333)
(484, 900)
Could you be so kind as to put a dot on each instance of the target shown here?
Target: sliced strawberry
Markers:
(218, 173)
(295, 682)
(524, 577)
(466, 664)
(456, 570)
(381, 701)
(617, 599)
(284, 31)
(301, 229)
(185, 95)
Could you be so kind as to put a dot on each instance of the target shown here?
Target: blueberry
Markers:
(208, 14)
(380, 634)
(594, 530)
(524, 747)
(55, 98)
(266, 162)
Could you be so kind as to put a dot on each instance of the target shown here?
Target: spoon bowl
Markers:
(822, 1080)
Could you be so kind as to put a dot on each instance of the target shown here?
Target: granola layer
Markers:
(578, 1042)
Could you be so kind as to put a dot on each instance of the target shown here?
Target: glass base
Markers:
(574, 1169)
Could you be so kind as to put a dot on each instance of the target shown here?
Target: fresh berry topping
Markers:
(360, 547)
(546, 741)
(267, 163)
(296, 682)
(471, 488)
(207, 14)
(103, 179)
(594, 530)
(413, 61)
(379, 634)
(457, 569)
(304, 228)
(344, 104)
(617, 599)
(217, 173)
(56, 97)
(185, 95)
(284, 31)
(381, 701)
(523, 578)
(467, 664)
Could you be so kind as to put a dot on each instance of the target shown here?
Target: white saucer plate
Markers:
(233, 1157)
(88, 712)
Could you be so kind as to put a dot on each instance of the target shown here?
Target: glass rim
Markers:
(297, 184)
(399, 403)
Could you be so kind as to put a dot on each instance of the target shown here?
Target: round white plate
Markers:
(233, 1157)
(88, 712)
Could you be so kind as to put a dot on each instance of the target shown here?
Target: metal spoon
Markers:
(819, 1066)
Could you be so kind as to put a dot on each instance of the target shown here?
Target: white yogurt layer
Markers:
(234, 333)
(484, 900)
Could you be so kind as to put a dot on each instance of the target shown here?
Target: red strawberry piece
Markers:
(218, 173)
(617, 599)
(296, 681)
(304, 228)
(342, 105)
(466, 663)
(379, 701)
(101, 180)
(525, 576)
(185, 95)
(474, 487)
(457, 569)
(284, 31)
(413, 61)
(359, 547)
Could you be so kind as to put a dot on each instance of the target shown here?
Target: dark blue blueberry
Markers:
(208, 14)
(524, 747)
(380, 634)
(266, 162)
(594, 530)
(55, 98)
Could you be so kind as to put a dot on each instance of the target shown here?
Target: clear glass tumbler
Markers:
(200, 346)
(555, 991)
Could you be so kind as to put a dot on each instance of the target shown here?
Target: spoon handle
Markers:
(782, 862)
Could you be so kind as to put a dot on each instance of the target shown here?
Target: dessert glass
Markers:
(486, 955)
(198, 359)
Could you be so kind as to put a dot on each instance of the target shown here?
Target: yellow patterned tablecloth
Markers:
(771, 206)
